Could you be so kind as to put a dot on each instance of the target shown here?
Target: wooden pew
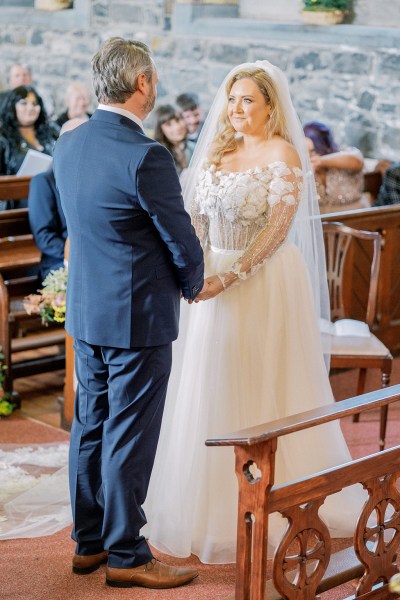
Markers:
(19, 261)
(372, 558)
(385, 220)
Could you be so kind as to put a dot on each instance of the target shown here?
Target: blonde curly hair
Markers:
(226, 139)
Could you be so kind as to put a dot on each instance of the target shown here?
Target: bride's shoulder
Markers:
(280, 150)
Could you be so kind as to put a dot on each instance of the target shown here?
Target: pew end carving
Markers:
(303, 564)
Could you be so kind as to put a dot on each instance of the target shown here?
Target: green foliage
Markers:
(326, 4)
(6, 407)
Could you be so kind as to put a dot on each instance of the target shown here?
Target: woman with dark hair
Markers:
(338, 172)
(170, 130)
(24, 125)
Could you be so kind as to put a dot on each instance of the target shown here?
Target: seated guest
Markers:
(77, 101)
(47, 222)
(17, 75)
(20, 74)
(389, 192)
(170, 130)
(192, 114)
(24, 125)
(338, 172)
(46, 217)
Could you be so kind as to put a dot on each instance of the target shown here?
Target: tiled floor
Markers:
(41, 396)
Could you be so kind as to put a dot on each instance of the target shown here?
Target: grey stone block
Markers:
(354, 63)
(37, 37)
(190, 49)
(124, 12)
(228, 53)
(163, 46)
(387, 108)
(391, 137)
(360, 132)
(366, 100)
(389, 64)
(101, 9)
(310, 61)
(216, 75)
(277, 56)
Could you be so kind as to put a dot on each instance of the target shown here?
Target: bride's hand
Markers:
(212, 287)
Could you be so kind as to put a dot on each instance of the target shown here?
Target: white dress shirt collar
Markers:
(123, 112)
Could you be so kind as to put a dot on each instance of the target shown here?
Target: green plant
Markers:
(6, 407)
(326, 5)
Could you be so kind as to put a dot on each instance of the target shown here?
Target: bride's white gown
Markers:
(250, 355)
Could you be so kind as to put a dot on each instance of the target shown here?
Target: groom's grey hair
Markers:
(116, 67)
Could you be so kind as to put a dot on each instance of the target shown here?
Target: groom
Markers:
(133, 253)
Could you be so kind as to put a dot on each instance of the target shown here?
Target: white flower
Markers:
(249, 213)
(289, 199)
(279, 168)
(278, 186)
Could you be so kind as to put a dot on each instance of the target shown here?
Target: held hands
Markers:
(211, 288)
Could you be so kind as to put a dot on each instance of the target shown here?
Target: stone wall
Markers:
(346, 76)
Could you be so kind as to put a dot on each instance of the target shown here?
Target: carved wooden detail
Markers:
(303, 566)
(303, 554)
(377, 536)
(255, 469)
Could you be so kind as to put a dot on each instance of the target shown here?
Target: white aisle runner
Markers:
(34, 492)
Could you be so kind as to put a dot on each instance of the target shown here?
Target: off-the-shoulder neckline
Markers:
(257, 169)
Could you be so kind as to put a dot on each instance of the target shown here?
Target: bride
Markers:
(250, 351)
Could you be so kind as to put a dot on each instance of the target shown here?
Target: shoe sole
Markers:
(128, 584)
(87, 570)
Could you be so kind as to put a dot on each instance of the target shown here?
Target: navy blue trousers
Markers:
(118, 410)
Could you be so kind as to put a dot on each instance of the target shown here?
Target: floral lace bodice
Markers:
(249, 211)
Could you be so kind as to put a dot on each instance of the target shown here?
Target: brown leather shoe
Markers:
(82, 565)
(153, 574)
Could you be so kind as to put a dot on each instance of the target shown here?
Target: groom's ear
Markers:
(142, 83)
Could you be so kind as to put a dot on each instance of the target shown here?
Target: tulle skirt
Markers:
(248, 356)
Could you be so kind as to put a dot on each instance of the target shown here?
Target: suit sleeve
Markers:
(160, 195)
(44, 218)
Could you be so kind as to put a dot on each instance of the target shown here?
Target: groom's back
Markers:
(115, 246)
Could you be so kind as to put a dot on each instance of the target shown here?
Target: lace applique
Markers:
(244, 196)
(249, 211)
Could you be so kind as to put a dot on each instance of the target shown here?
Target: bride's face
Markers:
(247, 110)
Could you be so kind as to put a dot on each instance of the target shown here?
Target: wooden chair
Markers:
(303, 564)
(372, 184)
(19, 262)
(353, 259)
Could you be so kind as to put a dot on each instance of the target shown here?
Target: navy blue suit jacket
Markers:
(47, 221)
(133, 248)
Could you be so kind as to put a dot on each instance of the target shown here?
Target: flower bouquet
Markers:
(49, 302)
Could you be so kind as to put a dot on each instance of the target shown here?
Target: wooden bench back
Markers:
(19, 262)
(14, 222)
(17, 247)
(13, 187)
(299, 503)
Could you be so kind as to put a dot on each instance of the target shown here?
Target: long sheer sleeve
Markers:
(284, 196)
(200, 221)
